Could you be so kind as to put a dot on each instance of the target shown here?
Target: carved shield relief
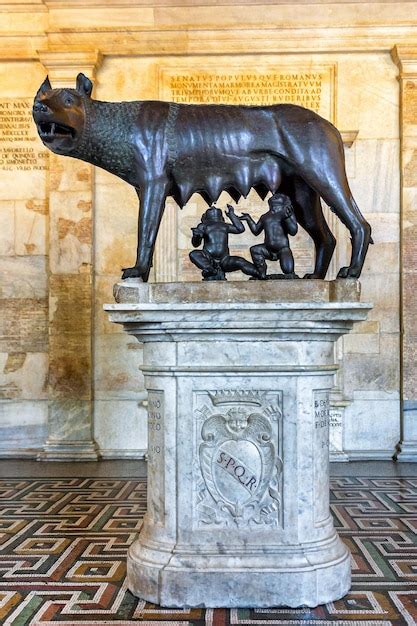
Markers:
(239, 467)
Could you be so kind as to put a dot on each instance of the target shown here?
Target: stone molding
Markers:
(405, 57)
(127, 453)
(157, 27)
(20, 453)
(62, 65)
(68, 451)
(367, 455)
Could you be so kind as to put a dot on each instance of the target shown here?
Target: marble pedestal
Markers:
(238, 378)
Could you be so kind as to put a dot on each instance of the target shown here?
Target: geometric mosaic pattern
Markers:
(63, 545)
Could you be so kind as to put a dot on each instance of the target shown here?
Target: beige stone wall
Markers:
(69, 378)
(24, 283)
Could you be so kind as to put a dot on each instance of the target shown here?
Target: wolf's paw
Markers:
(349, 272)
(132, 272)
(291, 276)
(311, 276)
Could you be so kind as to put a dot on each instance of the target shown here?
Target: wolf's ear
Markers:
(46, 86)
(84, 85)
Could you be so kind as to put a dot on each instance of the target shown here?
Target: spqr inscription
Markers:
(238, 446)
(238, 470)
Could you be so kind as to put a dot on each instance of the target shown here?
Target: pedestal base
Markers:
(69, 451)
(238, 421)
(407, 448)
(406, 452)
(299, 576)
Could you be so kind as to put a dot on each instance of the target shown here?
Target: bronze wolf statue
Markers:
(166, 149)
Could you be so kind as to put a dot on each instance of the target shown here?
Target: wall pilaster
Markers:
(70, 381)
(405, 56)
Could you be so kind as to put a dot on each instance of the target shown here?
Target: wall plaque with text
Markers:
(310, 86)
(20, 146)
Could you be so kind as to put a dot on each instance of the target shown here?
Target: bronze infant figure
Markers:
(167, 149)
(277, 224)
(215, 259)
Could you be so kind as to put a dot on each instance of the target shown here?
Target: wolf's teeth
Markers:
(52, 128)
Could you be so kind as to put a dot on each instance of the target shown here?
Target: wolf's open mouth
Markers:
(52, 130)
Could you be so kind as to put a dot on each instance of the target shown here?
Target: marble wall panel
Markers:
(23, 427)
(330, 15)
(115, 224)
(120, 428)
(23, 277)
(103, 288)
(23, 273)
(70, 303)
(69, 419)
(71, 175)
(117, 367)
(7, 232)
(23, 375)
(368, 95)
(119, 414)
(371, 428)
(31, 225)
(71, 232)
(372, 369)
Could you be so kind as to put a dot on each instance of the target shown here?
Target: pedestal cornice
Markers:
(293, 310)
(62, 66)
(405, 57)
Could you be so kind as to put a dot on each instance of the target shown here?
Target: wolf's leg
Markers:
(152, 197)
(327, 176)
(309, 214)
(341, 202)
(312, 220)
(344, 206)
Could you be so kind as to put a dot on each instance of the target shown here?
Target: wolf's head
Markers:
(60, 114)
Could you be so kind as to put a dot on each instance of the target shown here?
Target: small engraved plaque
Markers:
(321, 455)
(336, 430)
(156, 456)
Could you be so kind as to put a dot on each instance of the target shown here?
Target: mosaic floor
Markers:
(64, 541)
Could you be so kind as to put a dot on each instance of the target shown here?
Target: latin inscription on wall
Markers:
(311, 87)
(20, 146)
